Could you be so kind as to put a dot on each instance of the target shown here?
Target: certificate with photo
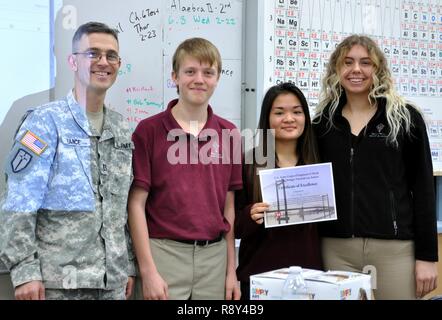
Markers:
(300, 194)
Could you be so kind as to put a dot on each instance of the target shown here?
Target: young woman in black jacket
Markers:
(383, 175)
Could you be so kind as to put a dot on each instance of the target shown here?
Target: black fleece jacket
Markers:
(382, 191)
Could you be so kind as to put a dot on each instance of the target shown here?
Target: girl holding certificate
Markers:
(285, 110)
(383, 175)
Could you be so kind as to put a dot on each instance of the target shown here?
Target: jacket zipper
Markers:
(393, 213)
(352, 152)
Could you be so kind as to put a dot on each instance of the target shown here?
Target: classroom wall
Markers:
(149, 32)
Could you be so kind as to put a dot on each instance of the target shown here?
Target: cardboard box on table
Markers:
(330, 285)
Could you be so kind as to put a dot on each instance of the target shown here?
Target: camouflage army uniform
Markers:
(64, 212)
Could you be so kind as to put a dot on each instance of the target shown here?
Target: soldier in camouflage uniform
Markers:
(68, 176)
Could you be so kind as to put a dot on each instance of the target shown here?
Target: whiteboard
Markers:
(149, 32)
(296, 37)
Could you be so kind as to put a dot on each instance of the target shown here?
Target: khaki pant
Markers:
(391, 263)
(191, 272)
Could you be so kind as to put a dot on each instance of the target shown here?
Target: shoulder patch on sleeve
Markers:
(34, 143)
(21, 160)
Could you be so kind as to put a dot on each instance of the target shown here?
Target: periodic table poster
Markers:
(300, 35)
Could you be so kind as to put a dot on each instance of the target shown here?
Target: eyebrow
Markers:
(98, 49)
(283, 107)
(195, 68)
(363, 58)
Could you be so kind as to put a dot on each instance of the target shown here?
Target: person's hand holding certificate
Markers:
(298, 194)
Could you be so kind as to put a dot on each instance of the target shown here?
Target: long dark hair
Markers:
(306, 148)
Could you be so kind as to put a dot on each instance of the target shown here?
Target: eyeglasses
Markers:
(95, 55)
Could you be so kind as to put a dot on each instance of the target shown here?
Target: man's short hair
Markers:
(92, 27)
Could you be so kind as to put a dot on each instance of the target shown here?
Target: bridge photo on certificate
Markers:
(300, 194)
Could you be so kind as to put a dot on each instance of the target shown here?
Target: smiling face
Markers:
(356, 72)
(196, 81)
(91, 74)
(287, 117)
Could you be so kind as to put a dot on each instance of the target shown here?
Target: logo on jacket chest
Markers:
(379, 132)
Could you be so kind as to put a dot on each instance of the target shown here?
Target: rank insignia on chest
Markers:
(34, 143)
(21, 160)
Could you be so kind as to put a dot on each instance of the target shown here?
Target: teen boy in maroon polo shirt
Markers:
(181, 206)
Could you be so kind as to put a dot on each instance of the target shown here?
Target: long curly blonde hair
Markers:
(383, 87)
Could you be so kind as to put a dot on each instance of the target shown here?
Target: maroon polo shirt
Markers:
(187, 192)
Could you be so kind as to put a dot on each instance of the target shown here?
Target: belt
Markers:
(201, 243)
